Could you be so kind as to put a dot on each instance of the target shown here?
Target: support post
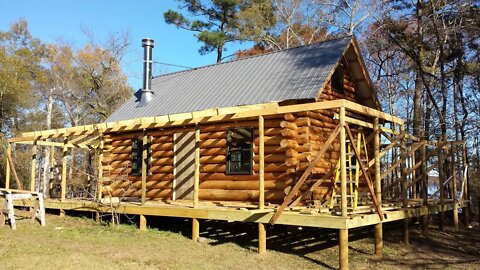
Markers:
(100, 170)
(441, 179)
(196, 185)
(33, 166)
(52, 169)
(262, 233)
(378, 228)
(143, 223)
(144, 168)
(143, 219)
(343, 233)
(404, 189)
(64, 171)
(7, 166)
(426, 217)
(454, 184)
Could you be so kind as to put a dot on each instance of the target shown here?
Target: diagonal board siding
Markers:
(291, 74)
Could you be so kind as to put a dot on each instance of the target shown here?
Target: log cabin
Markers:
(293, 137)
(229, 150)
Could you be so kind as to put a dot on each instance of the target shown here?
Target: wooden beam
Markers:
(261, 132)
(207, 116)
(364, 172)
(100, 170)
(378, 228)
(441, 180)
(57, 144)
(314, 186)
(343, 173)
(367, 111)
(305, 174)
(195, 229)
(145, 163)
(7, 166)
(262, 239)
(33, 167)
(404, 189)
(196, 180)
(426, 217)
(64, 171)
(143, 223)
(391, 145)
(343, 248)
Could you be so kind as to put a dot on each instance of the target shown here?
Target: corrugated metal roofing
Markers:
(296, 73)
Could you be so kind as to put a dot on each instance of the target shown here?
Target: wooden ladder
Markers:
(353, 173)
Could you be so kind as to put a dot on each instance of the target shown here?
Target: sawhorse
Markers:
(7, 208)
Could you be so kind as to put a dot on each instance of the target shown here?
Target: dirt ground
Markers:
(80, 243)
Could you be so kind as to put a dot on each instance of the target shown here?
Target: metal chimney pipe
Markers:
(147, 93)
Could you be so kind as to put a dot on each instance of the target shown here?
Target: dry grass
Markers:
(79, 243)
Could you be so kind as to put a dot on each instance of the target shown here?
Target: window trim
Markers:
(335, 78)
(227, 151)
(139, 159)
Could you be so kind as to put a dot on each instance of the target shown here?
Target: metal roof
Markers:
(291, 74)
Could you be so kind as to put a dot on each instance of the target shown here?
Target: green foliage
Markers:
(217, 24)
(20, 65)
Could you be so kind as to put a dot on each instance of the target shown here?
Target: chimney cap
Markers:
(148, 42)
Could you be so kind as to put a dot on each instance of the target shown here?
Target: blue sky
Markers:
(53, 20)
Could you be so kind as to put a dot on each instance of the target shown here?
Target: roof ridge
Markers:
(253, 56)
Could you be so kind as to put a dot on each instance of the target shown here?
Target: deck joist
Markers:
(231, 214)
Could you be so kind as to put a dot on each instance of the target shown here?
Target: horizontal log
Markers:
(271, 123)
(121, 150)
(288, 125)
(223, 134)
(161, 169)
(162, 139)
(112, 157)
(274, 158)
(250, 177)
(270, 149)
(137, 178)
(317, 116)
(213, 151)
(162, 154)
(115, 143)
(161, 161)
(239, 195)
(221, 168)
(120, 164)
(303, 121)
(161, 146)
(138, 184)
(288, 143)
(242, 185)
(289, 117)
(289, 133)
(151, 194)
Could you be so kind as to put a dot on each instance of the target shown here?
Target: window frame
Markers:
(137, 157)
(338, 74)
(229, 152)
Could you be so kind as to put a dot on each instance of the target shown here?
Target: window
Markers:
(239, 150)
(337, 79)
(137, 152)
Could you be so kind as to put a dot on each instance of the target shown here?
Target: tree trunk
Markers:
(45, 182)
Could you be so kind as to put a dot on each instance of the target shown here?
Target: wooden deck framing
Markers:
(407, 160)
